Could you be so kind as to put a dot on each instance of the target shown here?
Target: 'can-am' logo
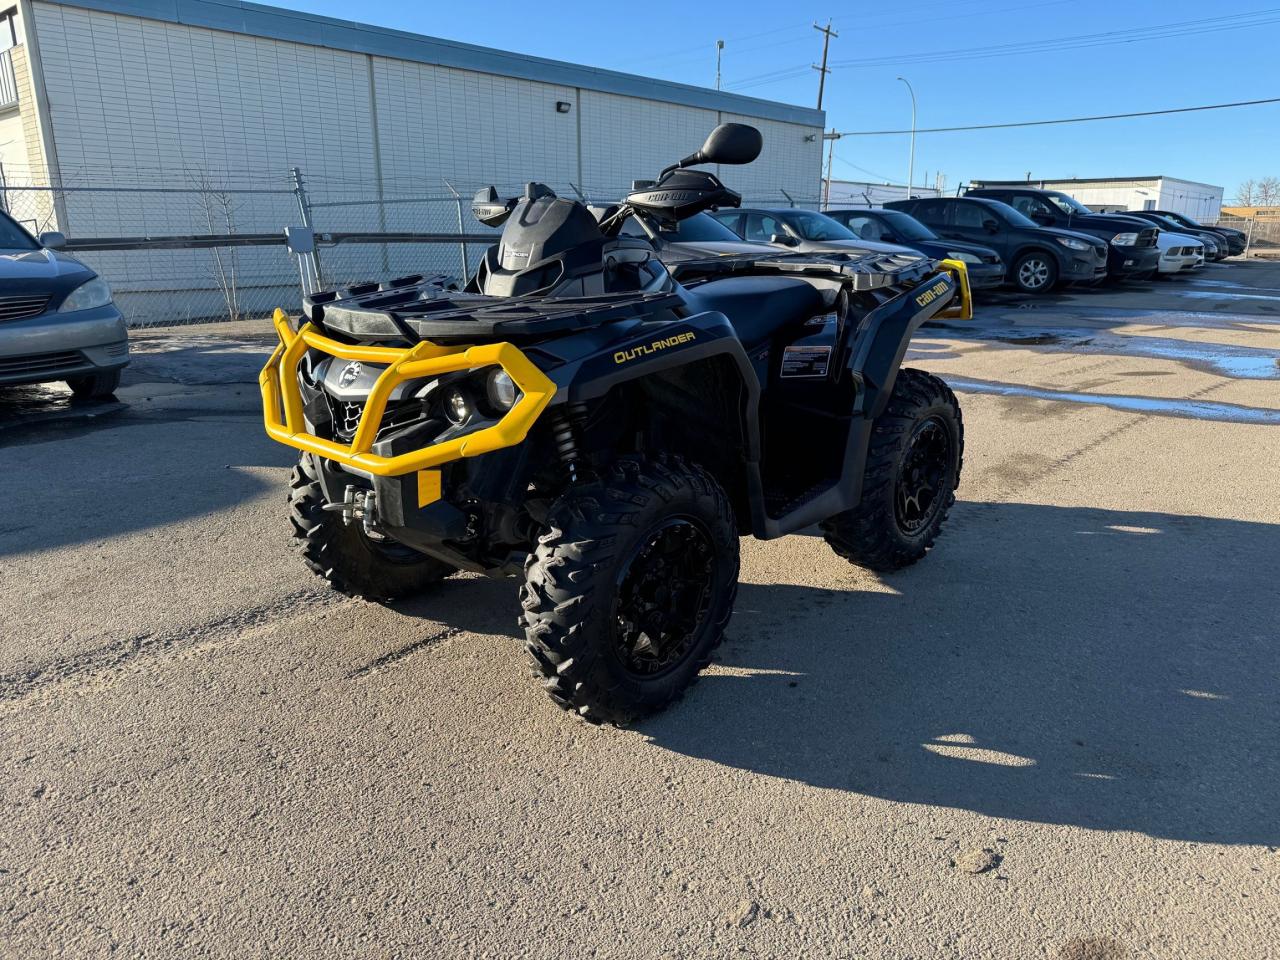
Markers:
(349, 374)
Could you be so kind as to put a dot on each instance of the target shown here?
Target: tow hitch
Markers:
(362, 505)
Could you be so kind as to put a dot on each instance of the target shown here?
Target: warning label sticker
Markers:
(805, 361)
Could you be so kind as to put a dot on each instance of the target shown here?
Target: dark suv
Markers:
(1131, 242)
(893, 226)
(1235, 238)
(1039, 258)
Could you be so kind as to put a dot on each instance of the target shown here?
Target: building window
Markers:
(8, 28)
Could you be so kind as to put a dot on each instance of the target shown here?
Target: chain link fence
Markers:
(192, 247)
(1263, 232)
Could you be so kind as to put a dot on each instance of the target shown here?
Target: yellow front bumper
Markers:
(962, 307)
(282, 398)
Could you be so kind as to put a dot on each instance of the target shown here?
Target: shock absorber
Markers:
(564, 432)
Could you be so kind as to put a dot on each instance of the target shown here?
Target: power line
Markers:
(1164, 31)
(1079, 41)
(1046, 123)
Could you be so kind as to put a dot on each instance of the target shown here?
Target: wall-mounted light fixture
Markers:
(563, 106)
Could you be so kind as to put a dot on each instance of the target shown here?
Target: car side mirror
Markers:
(991, 226)
(783, 239)
(888, 238)
(1043, 219)
(53, 240)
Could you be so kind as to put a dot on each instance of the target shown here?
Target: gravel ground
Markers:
(1056, 737)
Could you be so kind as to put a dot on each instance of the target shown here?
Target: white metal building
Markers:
(859, 193)
(1200, 201)
(128, 93)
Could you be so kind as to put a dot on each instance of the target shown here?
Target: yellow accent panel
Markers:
(963, 310)
(280, 393)
(428, 487)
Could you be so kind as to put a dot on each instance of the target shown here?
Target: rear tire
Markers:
(95, 386)
(1034, 272)
(344, 556)
(913, 469)
(631, 588)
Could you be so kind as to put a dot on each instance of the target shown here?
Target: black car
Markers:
(986, 269)
(1131, 242)
(1235, 238)
(1039, 258)
(1215, 244)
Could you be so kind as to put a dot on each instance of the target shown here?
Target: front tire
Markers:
(913, 469)
(1035, 272)
(344, 556)
(95, 386)
(630, 590)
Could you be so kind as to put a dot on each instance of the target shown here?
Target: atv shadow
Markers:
(1093, 668)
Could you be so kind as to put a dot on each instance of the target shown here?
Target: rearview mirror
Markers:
(53, 240)
(728, 143)
(489, 208)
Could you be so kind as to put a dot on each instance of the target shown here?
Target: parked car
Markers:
(1039, 258)
(1131, 243)
(1179, 253)
(1215, 244)
(696, 238)
(986, 269)
(57, 319)
(804, 231)
(1236, 239)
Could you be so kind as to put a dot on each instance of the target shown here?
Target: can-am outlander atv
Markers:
(582, 418)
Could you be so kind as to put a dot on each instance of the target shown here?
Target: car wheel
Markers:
(96, 386)
(1035, 272)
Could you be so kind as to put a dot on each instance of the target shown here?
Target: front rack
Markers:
(282, 407)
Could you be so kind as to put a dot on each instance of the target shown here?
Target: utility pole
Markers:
(719, 48)
(911, 164)
(827, 34)
(831, 137)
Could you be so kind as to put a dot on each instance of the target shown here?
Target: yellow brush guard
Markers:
(962, 308)
(281, 394)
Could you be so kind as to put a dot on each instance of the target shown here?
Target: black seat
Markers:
(758, 306)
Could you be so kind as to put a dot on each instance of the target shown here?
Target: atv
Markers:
(605, 428)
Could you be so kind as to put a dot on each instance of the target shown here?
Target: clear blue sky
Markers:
(676, 41)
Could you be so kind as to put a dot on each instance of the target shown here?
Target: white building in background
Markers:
(178, 93)
(858, 193)
(1200, 201)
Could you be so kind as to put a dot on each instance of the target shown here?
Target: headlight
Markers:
(965, 257)
(500, 390)
(90, 294)
(1124, 240)
(1073, 243)
(456, 406)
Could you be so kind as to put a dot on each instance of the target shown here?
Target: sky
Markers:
(1157, 55)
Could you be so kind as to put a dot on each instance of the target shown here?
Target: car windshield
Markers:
(816, 226)
(13, 237)
(906, 227)
(1011, 216)
(699, 228)
(1066, 204)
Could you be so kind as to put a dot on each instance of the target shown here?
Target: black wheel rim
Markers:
(663, 593)
(923, 479)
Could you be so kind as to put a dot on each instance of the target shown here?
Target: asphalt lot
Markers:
(204, 753)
